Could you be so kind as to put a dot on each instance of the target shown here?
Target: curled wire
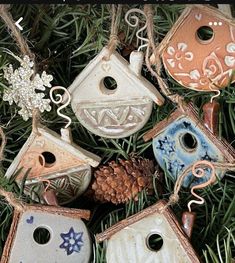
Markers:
(199, 172)
(135, 22)
(215, 96)
(59, 101)
(44, 180)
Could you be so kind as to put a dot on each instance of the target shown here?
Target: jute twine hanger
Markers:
(151, 50)
(197, 169)
(175, 98)
(113, 38)
(23, 47)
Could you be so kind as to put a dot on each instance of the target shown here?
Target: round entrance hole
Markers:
(154, 242)
(205, 34)
(189, 141)
(49, 159)
(41, 235)
(108, 85)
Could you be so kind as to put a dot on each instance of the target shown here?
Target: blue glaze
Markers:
(72, 241)
(172, 153)
(30, 220)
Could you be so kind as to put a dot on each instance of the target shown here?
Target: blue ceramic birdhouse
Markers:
(182, 139)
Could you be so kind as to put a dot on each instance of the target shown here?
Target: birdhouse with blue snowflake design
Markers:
(182, 139)
(48, 234)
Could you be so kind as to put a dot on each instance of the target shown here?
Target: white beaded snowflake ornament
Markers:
(23, 87)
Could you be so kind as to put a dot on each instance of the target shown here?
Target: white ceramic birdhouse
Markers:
(182, 139)
(53, 162)
(153, 235)
(199, 50)
(111, 98)
(48, 235)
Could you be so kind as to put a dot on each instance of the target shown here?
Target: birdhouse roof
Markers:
(191, 112)
(160, 208)
(140, 83)
(55, 138)
(204, 8)
(63, 211)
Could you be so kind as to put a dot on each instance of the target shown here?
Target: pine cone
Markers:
(122, 181)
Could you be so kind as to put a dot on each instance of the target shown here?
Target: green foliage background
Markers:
(64, 39)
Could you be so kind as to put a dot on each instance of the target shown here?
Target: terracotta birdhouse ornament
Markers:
(54, 162)
(182, 139)
(46, 234)
(199, 50)
(111, 98)
(132, 240)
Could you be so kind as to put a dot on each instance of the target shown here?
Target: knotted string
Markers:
(11, 200)
(157, 74)
(3, 144)
(113, 39)
(23, 46)
(174, 198)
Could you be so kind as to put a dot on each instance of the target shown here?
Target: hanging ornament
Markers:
(47, 233)
(199, 50)
(46, 156)
(110, 97)
(119, 182)
(182, 138)
(152, 235)
(199, 170)
(23, 84)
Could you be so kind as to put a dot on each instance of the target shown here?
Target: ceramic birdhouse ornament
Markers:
(132, 240)
(54, 162)
(199, 50)
(48, 235)
(182, 139)
(111, 98)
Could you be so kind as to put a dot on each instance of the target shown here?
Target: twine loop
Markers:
(113, 38)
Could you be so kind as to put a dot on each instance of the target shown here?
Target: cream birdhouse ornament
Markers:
(199, 50)
(48, 235)
(53, 162)
(119, 108)
(131, 240)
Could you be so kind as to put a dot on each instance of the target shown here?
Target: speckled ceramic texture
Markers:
(129, 241)
(130, 245)
(173, 155)
(69, 175)
(199, 64)
(69, 240)
(119, 112)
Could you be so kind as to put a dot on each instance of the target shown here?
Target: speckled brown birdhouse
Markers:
(53, 162)
(199, 50)
(182, 139)
(152, 235)
(48, 234)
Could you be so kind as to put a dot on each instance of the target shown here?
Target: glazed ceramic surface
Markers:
(68, 184)
(200, 64)
(130, 245)
(69, 240)
(119, 112)
(68, 173)
(172, 151)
